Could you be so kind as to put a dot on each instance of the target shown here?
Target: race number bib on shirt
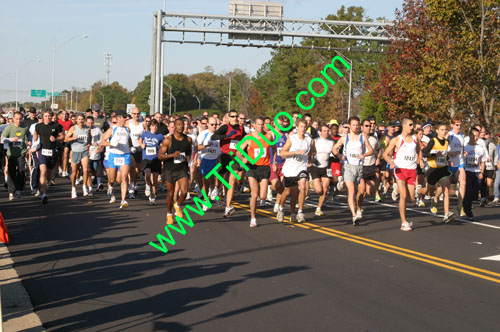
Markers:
(441, 161)
(279, 151)
(410, 158)
(119, 161)
(233, 143)
(329, 172)
(257, 151)
(354, 155)
(180, 159)
(151, 151)
(300, 158)
(47, 152)
(17, 144)
(471, 161)
(82, 139)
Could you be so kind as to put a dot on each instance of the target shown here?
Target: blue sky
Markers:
(123, 27)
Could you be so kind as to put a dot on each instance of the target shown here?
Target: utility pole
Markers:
(107, 64)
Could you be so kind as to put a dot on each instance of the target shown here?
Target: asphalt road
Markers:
(88, 266)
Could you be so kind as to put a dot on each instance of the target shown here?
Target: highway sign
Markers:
(38, 93)
(56, 94)
(54, 106)
(129, 108)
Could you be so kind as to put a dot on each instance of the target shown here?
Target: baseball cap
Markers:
(397, 123)
(117, 113)
(333, 121)
(426, 124)
(96, 107)
(32, 110)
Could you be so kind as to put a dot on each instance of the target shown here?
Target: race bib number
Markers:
(119, 161)
(409, 158)
(47, 152)
(180, 159)
(354, 155)
(300, 158)
(233, 143)
(279, 151)
(329, 172)
(151, 151)
(257, 151)
(82, 139)
(489, 164)
(441, 161)
(211, 151)
(17, 144)
(471, 161)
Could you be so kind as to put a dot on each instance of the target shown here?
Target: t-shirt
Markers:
(96, 135)
(45, 131)
(65, 124)
(476, 155)
(211, 152)
(15, 148)
(28, 122)
(152, 142)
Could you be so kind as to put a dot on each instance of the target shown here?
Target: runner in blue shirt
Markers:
(150, 143)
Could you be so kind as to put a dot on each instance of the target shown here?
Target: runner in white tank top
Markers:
(321, 172)
(456, 144)
(403, 154)
(136, 129)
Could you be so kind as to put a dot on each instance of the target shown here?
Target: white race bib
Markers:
(82, 139)
(329, 172)
(279, 151)
(180, 159)
(409, 158)
(151, 151)
(441, 161)
(233, 143)
(119, 161)
(47, 152)
(257, 151)
(471, 161)
(17, 144)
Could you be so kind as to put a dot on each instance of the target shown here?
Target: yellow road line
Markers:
(386, 247)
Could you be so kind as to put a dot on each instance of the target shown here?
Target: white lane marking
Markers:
(491, 258)
(430, 214)
(477, 242)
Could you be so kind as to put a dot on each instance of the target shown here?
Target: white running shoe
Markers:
(448, 217)
(340, 184)
(359, 214)
(496, 200)
(205, 208)
(91, 193)
(188, 196)
(85, 191)
(427, 197)
(319, 213)
(253, 223)
(152, 200)
(276, 208)
(123, 205)
(38, 193)
(280, 216)
(110, 192)
(11, 197)
(394, 193)
(229, 211)
(147, 191)
(355, 220)
(301, 217)
(441, 197)
(77, 182)
(131, 189)
(112, 199)
(214, 193)
(131, 194)
(262, 203)
(406, 227)
(73, 192)
(269, 194)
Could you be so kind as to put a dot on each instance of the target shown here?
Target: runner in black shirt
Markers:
(48, 132)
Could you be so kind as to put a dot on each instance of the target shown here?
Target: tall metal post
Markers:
(71, 99)
(350, 91)
(17, 79)
(157, 81)
(229, 104)
(53, 74)
(199, 103)
(170, 98)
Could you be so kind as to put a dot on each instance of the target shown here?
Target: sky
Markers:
(30, 29)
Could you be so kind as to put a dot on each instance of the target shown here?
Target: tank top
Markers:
(121, 136)
(406, 155)
(297, 163)
(211, 152)
(435, 161)
(370, 160)
(229, 143)
(456, 145)
(135, 133)
(83, 139)
(254, 150)
(323, 150)
(353, 149)
(178, 163)
(279, 146)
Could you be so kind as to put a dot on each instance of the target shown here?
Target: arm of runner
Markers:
(69, 135)
(312, 152)
(164, 148)
(104, 139)
(368, 149)
(285, 150)
(389, 152)
(335, 149)
(427, 150)
(219, 133)
(244, 147)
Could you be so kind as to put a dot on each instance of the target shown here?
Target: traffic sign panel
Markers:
(38, 93)
(56, 94)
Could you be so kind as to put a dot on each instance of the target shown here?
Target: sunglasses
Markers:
(135, 113)
(345, 127)
(232, 116)
(367, 125)
(113, 122)
(212, 124)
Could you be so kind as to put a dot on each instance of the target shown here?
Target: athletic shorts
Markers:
(45, 159)
(259, 172)
(105, 163)
(454, 169)
(276, 175)
(489, 174)
(173, 176)
(118, 160)
(336, 168)
(383, 165)
(207, 165)
(137, 156)
(434, 175)
(353, 173)
(319, 172)
(407, 175)
(294, 181)
(76, 157)
(154, 165)
(369, 173)
(224, 160)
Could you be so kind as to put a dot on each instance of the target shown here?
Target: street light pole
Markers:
(71, 101)
(54, 64)
(350, 89)
(199, 103)
(229, 104)
(170, 100)
(175, 105)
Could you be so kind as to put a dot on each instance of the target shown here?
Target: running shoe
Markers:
(131, 190)
(262, 203)
(319, 213)
(110, 192)
(406, 227)
(359, 214)
(269, 194)
(197, 190)
(205, 208)
(152, 200)
(38, 193)
(461, 212)
(434, 208)
(11, 197)
(100, 187)
(73, 192)
(188, 196)
(123, 205)
(280, 216)
(276, 208)
(441, 197)
(214, 194)
(91, 193)
(340, 184)
(420, 203)
(229, 211)
(85, 191)
(246, 189)
(147, 191)
(293, 218)
(53, 182)
(394, 193)
(17, 194)
(131, 194)
(448, 217)
(496, 200)
(170, 219)
(178, 211)
(45, 199)
(377, 198)
(77, 182)
(427, 197)
(112, 199)
(355, 221)
(253, 223)
(301, 217)
(483, 202)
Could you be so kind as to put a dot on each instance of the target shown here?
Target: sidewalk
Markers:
(17, 310)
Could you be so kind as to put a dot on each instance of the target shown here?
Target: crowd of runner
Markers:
(404, 160)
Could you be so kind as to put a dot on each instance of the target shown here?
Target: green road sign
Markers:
(38, 93)
(56, 94)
